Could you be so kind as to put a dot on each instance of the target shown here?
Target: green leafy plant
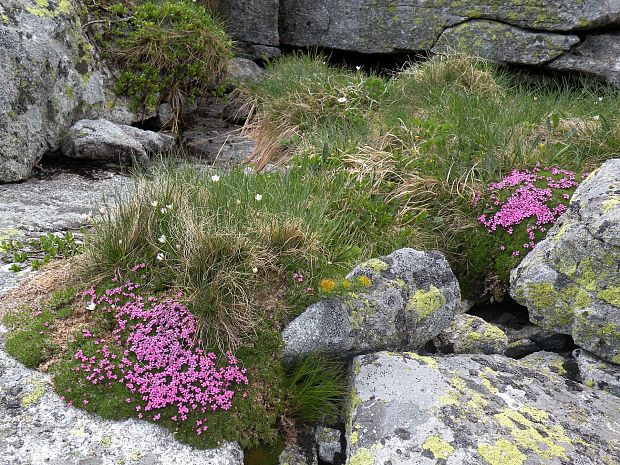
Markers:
(166, 51)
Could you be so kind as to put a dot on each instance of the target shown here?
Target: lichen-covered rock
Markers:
(102, 140)
(380, 26)
(480, 409)
(50, 78)
(570, 282)
(410, 298)
(328, 444)
(504, 43)
(531, 338)
(296, 455)
(598, 55)
(37, 427)
(243, 70)
(252, 21)
(546, 362)
(469, 334)
(596, 373)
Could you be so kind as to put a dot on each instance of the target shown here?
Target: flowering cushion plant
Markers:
(152, 353)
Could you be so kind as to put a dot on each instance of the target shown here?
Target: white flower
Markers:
(169, 206)
(103, 210)
(163, 210)
(160, 256)
(162, 238)
(258, 197)
(120, 242)
(600, 99)
(154, 203)
(596, 117)
(215, 178)
(342, 99)
(238, 202)
(90, 306)
(535, 98)
(254, 270)
(358, 68)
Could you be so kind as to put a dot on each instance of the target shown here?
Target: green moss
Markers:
(425, 303)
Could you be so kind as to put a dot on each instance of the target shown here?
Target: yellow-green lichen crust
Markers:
(426, 303)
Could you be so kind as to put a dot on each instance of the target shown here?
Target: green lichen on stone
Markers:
(376, 265)
(38, 390)
(560, 233)
(44, 10)
(425, 303)
(429, 361)
(354, 438)
(503, 452)
(549, 302)
(440, 449)
(362, 457)
(610, 295)
(534, 430)
(611, 203)
(589, 382)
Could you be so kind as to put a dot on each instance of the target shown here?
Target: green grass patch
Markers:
(29, 341)
(165, 51)
(428, 139)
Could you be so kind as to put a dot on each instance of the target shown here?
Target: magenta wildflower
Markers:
(153, 354)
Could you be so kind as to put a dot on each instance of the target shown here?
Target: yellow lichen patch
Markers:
(503, 452)
(38, 390)
(616, 359)
(561, 232)
(439, 448)
(611, 203)
(430, 361)
(486, 382)
(528, 427)
(376, 265)
(43, 8)
(611, 295)
(425, 303)
(450, 398)
(354, 438)
(362, 457)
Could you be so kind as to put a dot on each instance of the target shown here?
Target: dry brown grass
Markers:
(38, 288)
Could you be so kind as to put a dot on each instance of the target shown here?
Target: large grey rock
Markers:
(252, 21)
(243, 70)
(103, 140)
(504, 43)
(468, 334)
(412, 296)
(50, 78)
(570, 282)
(596, 373)
(381, 26)
(598, 55)
(37, 427)
(483, 410)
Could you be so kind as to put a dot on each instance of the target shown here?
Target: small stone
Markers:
(468, 334)
(328, 442)
(296, 455)
(244, 70)
(596, 373)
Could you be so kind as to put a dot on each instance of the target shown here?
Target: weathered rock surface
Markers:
(296, 455)
(410, 298)
(546, 362)
(468, 334)
(504, 43)
(50, 78)
(243, 70)
(531, 338)
(328, 444)
(252, 21)
(37, 427)
(570, 282)
(102, 140)
(598, 374)
(481, 409)
(58, 200)
(597, 55)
